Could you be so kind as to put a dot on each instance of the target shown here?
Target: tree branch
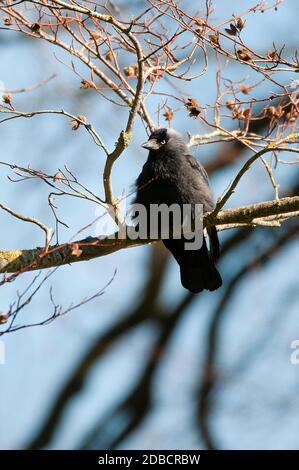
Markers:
(89, 248)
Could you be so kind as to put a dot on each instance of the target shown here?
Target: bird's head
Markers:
(164, 139)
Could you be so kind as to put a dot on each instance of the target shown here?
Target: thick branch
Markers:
(38, 258)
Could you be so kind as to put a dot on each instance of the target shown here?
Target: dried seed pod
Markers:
(76, 122)
(270, 111)
(7, 21)
(240, 23)
(94, 34)
(131, 71)
(200, 25)
(271, 54)
(200, 22)
(109, 56)
(85, 84)
(279, 111)
(58, 176)
(214, 38)
(193, 107)
(168, 114)
(7, 98)
(247, 113)
(232, 30)
(238, 113)
(231, 104)
(245, 89)
(35, 27)
(3, 318)
(243, 54)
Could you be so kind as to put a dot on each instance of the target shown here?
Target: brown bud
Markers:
(3, 318)
(7, 98)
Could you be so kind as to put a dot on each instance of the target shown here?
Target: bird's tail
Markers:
(198, 270)
(214, 243)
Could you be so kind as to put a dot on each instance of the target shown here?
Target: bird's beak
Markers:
(151, 144)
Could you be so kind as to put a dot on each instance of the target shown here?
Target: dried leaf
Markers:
(168, 114)
(193, 107)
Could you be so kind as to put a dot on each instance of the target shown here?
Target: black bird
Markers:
(171, 175)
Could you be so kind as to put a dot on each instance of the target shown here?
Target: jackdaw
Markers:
(172, 176)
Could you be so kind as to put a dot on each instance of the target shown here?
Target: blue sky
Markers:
(39, 360)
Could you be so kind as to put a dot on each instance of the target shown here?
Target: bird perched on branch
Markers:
(172, 176)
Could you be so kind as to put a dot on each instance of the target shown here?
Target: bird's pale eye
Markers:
(163, 142)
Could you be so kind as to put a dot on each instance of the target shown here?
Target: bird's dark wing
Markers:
(195, 165)
(212, 231)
